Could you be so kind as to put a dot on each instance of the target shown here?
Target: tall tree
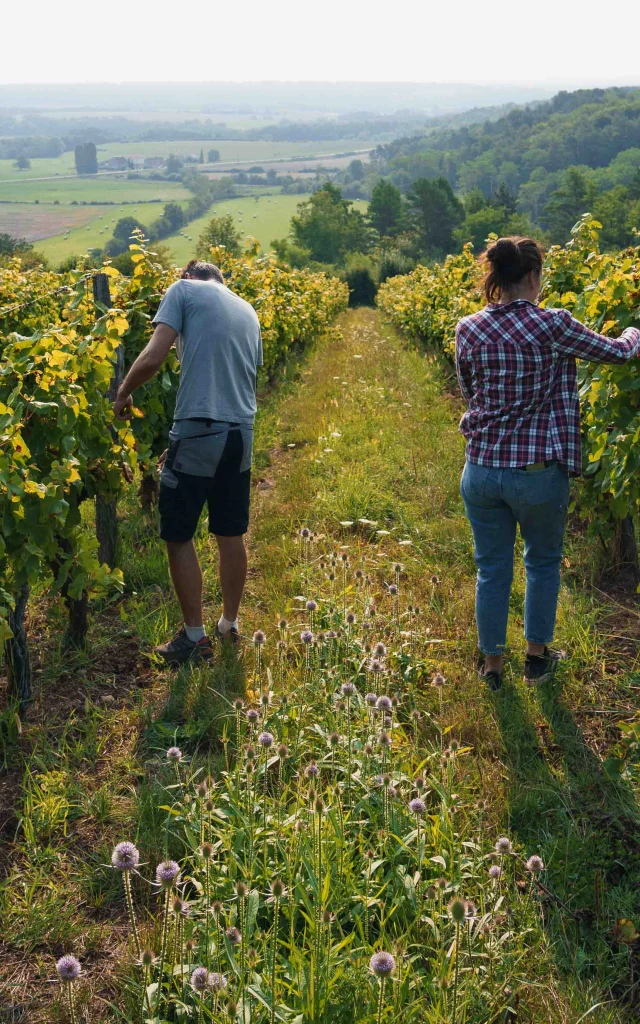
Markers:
(386, 209)
(219, 231)
(328, 226)
(436, 212)
(567, 204)
(86, 157)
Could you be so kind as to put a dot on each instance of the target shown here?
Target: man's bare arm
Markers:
(144, 368)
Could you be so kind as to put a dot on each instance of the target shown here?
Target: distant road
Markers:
(222, 165)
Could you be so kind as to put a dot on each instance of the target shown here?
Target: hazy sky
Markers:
(552, 41)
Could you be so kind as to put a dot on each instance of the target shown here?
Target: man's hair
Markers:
(203, 271)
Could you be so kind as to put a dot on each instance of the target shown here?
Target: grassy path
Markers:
(362, 448)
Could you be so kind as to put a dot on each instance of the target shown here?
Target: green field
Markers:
(97, 233)
(264, 218)
(104, 188)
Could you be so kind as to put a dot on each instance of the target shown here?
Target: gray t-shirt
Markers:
(219, 348)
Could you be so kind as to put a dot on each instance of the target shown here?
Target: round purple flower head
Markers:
(233, 935)
(393, 590)
(384, 703)
(382, 964)
(306, 636)
(375, 666)
(348, 689)
(265, 739)
(417, 805)
(217, 982)
(535, 864)
(253, 715)
(68, 968)
(199, 979)
(379, 650)
(495, 871)
(312, 771)
(371, 699)
(174, 754)
(125, 856)
(312, 606)
(167, 873)
(503, 845)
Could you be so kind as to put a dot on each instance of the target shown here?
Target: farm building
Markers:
(115, 163)
(153, 161)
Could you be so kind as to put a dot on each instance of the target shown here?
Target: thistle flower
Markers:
(415, 715)
(438, 680)
(253, 715)
(435, 581)
(68, 968)
(283, 751)
(457, 909)
(265, 739)
(419, 783)
(306, 636)
(242, 890)
(209, 805)
(503, 845)
(217, 982)
(167, 874)
(180, 908)
(471, 911)
(250, 752)
(348, 689)
(259, 638)
(125, 856)
(174, 754)
(384, 739)
(417, 806)
(370, 700)
(305, 533)
(147, 959)
(312, 606)
(495, 871)
(334, 739)
(397, 568)
(351, 618)
(283, 624)
(206, 851)
(318, 805)
(393, 590)
(442, 884)
(379, 650)
(359, 574)
(376, 666)
(216, 908)
(233, 935)
(535, 864)
(199, 979)
(278, 889)
(392, 792)
(238, 704)
(368, 749)
(312, 771)
(386, 781)
(384, 703)
(202, 790)
(382, 964)
(281, 645)
(454, 746)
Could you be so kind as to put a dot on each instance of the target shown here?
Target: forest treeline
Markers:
(537, 168)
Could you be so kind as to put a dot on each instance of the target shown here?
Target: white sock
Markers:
(224, 625)
(195, 633)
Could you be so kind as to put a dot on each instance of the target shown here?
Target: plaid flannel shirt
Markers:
(516, 366)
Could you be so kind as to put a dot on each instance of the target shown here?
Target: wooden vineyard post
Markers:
(106, 515)
(17, 651)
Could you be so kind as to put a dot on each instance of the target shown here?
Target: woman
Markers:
(516, 366)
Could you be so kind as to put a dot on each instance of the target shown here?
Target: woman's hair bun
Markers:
(504, 252)
(509, 260)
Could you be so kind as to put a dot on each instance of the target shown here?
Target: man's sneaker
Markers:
(540, 667)
(181, 649)
(232, 636)
(492, 679)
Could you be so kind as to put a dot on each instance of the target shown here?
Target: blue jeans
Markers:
(496, 502)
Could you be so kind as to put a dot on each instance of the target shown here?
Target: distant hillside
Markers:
(578, 144)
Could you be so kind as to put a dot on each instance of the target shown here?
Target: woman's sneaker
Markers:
(540, 667)
(492, 679)
(181, 649)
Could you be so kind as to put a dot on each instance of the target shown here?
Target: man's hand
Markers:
(123, 406)
(162, 459)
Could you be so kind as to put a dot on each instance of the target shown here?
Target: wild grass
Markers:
(365, 430)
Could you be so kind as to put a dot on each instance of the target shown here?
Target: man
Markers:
(217, 339)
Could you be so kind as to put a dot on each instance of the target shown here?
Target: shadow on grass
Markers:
(586, 827)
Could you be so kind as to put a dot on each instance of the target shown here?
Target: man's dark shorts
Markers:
(227, 492)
